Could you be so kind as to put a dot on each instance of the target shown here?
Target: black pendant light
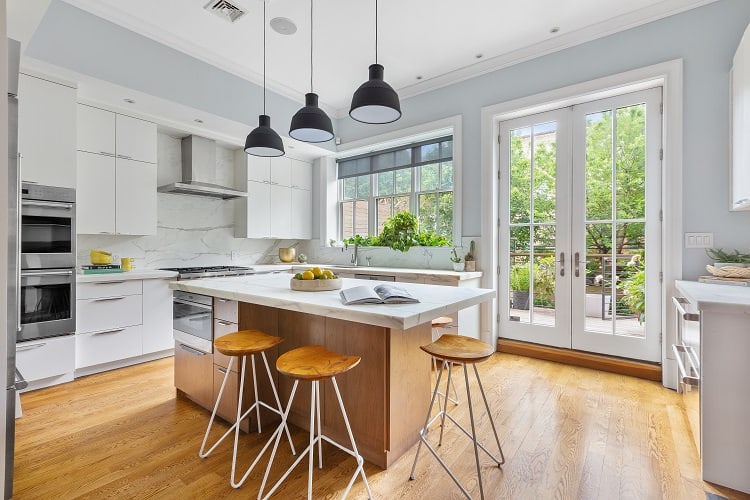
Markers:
(263, 140)
(311, 124)
(375, 101)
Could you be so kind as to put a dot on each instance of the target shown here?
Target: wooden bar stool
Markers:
(461, 351)
(241, 345)
(315, 363)
(442, 322)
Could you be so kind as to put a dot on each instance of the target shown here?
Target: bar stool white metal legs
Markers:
(235, 345)
(461, 351)
(441, 322)
(315, 363)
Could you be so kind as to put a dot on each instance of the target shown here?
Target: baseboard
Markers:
(640, 369)
(122, 363)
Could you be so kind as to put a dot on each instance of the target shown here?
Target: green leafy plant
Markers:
(520, 276)
(400, 232)
(454, 256)
(719, 255)
(634, 287)
(544, 279)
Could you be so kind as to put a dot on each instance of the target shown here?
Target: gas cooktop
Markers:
(209, 271)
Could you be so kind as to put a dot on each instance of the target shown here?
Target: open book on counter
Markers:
(381, 294)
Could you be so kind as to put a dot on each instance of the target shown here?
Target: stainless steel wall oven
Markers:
(47, 303)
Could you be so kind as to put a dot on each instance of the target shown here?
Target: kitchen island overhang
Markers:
(388, 394)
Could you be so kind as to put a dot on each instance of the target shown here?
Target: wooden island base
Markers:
(386, 396)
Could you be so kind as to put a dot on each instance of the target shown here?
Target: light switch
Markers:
(699, 240)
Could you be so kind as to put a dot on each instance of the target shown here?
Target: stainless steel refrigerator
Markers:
(13, 380)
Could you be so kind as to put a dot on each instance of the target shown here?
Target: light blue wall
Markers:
(74, 39)
(704, 38)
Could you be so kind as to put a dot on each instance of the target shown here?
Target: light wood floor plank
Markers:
(567, 432)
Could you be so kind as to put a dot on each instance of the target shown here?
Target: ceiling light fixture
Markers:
(310, 123)
(375, 101)
(263, 140)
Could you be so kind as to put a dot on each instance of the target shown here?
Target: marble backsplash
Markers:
(191, 230)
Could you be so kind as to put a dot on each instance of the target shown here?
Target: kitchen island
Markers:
(388, 394)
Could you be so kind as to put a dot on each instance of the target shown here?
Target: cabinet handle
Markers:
(222, 300)
(29, 347)
(222, 369)
(191, 350)
(104, 299)
(125, 157)
(678, 301)
(106, 153)
(225, 323)
(48, 204)
(684, 377)
(105, 332)
(108, 282)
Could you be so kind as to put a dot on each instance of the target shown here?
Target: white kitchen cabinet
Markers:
(740, 78)
(108, 313)
(95, 194)
(96, 130)
(47, 132)
(301, 175)
(135, 197)
(279, 198)
(104, 132)
(301, 215)
(46, 362)
(96, 348)
(115, 195)
(157, 316)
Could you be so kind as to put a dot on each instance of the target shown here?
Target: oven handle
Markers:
(694, 381)
(63, 272)
(29, 347)
(48, 204)
(194, 304)
(191, 350)
(18, 245)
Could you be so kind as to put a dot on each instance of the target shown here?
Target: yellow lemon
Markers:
(328, 274)
(316, 272)
(308, 275)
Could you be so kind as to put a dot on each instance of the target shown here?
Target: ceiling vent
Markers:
(225, 10)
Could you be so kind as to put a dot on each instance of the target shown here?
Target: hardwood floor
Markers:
(567, 433)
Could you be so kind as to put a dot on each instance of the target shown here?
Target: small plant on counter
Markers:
(470, 254)
(454, 256)
(720, 256)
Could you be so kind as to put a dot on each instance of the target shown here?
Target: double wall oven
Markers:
(46, 281)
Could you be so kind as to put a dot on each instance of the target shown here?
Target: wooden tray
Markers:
(315, 285)
(729, 271)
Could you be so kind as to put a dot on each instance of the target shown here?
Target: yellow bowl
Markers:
(100, 257)
(287, 254)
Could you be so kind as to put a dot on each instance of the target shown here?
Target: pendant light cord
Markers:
(311, 46)
(264, 57)
(376, 31)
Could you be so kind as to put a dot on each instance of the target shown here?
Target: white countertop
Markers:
(273, 290)
(394, 271)
(137, 274)
(719, 298)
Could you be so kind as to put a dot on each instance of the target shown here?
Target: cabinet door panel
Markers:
(193, 374)
(105, 347)
(258, 168)
(135, 199)
(258, 210)
(281, 212)
(301, 214)
(301, 174)
(96, 130)
(157, 316)
(95, 194)
(136, 139)
(43, 358)
(281, 171)
(47, 132)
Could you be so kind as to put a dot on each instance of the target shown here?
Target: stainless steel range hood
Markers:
(199, 171)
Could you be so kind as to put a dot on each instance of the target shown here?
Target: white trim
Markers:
(670, 75)
(402, 137)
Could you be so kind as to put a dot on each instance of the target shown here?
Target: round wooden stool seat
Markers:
(314, 362)
(459, 349)
(441, 321)
(245, 342)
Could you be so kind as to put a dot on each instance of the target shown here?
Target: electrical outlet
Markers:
(699, 240)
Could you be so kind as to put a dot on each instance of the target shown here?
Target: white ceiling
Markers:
(438, 40)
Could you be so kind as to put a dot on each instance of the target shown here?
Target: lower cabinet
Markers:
(46, 362)
(193, 374)
(95, 348)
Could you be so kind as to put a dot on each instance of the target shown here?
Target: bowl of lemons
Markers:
(315, 279)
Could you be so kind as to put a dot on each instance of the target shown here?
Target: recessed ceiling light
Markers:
(198, 120)
(129, 101)
(283, 26)
(554, 29)
(479, 56)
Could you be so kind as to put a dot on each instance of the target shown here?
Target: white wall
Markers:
(705, 38)
(192, 231)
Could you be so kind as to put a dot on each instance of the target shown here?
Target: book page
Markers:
(359, 295)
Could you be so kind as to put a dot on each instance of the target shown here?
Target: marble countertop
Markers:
(395, 271)
(719, 298)
(273, 290)
(137, 274)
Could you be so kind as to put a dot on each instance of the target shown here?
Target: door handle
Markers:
(562, 263)
(577, 264)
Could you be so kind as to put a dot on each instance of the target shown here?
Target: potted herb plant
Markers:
(470, 262)
(519, 286)
(458, 264)
(726, 259)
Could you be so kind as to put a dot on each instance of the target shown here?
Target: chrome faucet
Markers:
(354, 255)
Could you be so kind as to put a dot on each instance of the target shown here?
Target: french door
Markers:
(580, 200)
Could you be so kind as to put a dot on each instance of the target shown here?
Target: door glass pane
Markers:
(544, 162)
(599, 278)
(520, 175)
(544, 276)
(630, 129)
(631, 271)
(599, 166)
(519, 279)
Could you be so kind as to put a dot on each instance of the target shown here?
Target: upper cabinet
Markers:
(116, 173)
(47, 132)
(741, 126)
